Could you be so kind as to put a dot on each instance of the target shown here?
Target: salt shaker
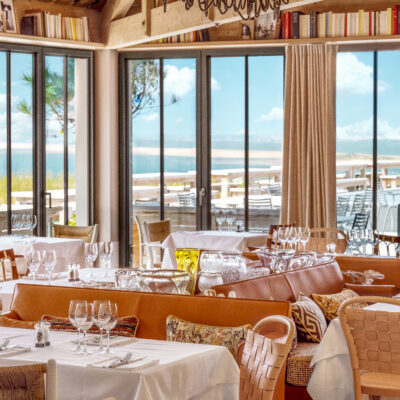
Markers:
(40, 341)
(46, 328)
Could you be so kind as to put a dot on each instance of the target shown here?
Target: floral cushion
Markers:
(179, 330)
(309, 319)
(126, 326)
(330, 303)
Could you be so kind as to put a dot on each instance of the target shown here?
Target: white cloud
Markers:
(215, 84)
(150, 117)
(363, 130)
(354, 76)
(276, 114)
(179, 82)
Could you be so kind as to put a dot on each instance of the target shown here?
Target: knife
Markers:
(119, 364)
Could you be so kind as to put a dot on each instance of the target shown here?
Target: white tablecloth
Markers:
(68, 251)
(209, 240)
(185, 371)
(332, 378)
(7, 288)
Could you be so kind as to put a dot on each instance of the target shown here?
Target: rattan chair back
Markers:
(86, 233)
(321, 237)
(373, 339)
(264, 355)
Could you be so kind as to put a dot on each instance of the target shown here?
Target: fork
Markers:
(4, 345)
(121, 361)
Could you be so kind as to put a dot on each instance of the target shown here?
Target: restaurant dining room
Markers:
(199, 200)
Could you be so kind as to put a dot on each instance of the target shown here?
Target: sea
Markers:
(22, 159)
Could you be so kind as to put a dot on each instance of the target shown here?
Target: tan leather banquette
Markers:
(322, 279)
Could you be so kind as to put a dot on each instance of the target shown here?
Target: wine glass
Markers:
(304, 237)
(71, 316)
(49, 262)
(230, 218)
(105, 251)
(292, 237)
(282, 236)
(84, 321)
(95, 314)
(91, 253)
(220, 218)
(33, 261)
(108, 317)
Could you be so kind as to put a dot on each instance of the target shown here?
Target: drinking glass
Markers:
(95, 315)
(71, 316)
(33, 261)
(84, 321)
(220, 218)
(91, 253)
(106, 251)
(304, 236)
(108, 317)
(292, 237)
(49, 262)
(231, 218)
(282, 236)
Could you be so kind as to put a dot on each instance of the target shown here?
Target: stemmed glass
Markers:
(95, 314)
(108, 317)
(16, 222)
(106, 251)
(49, 262)
(230, 218)
(220, 218)
(33, 261)
(91, 253)
(292, 237)
(282, 236)
(71, 316)
(84, 321)
(304, 236)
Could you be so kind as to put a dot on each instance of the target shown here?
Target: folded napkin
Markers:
(13, 351)
(94, 340)
(133, 365)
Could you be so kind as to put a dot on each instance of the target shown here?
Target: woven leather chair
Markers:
(320, 237)
(264, 356)
(9, 255)
(27, 382)
(154, 234)
(373, 338)
(87, 233)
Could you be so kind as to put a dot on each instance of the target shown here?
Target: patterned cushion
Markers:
(126, 326)
(330, 303)
(310, 321)
(16, 323)
(179, 330)
(298, 371)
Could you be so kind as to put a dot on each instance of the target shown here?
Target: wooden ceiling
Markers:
(93, 4)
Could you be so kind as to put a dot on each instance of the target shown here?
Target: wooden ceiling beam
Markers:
(135, 29)
(120, 8)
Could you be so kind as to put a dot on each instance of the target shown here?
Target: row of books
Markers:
(296, 25)
(197, 36)
(42, 23)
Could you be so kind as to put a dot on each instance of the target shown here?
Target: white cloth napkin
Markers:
(141, 363)
(13, 351)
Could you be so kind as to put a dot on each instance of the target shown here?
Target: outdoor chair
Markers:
(342, 204)
(260, 203)
(187, 199)
(265, 351)
(275, 189)
(360, 221)
(373, 340)
(358, 204)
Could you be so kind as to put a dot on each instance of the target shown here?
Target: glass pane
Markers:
(78, 142)
(144, 88)
(354, 137)
(21, 134)
(265, 140)
(388, 191)
(3, 144)
(180, 143)
(227, 136)
(54, 81)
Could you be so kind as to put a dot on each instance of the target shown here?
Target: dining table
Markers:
(209, 240)
(332, 378)
(68, 251)
(157, 369)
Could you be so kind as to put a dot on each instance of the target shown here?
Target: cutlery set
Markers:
(127, 359)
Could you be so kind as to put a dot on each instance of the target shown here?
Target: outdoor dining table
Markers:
(332, 378)
(170, 370)
(68, 251)
(209, 240)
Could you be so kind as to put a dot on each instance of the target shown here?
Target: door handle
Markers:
(202, 195)
(48, 194)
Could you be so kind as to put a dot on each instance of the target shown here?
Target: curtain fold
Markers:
(309, 143)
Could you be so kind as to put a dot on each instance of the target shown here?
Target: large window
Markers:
(368, 146)
(45, 125)
(200, 132)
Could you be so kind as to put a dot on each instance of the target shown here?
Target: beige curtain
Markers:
(309, 144)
